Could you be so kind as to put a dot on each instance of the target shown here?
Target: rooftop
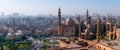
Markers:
(77, 45)
(69, 21)
(115, 44)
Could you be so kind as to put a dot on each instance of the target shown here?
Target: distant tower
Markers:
(87, 16)
(59, 22)
(98, 30)
(79, 22)
(87, 13)
(88, 23)
(59, 16)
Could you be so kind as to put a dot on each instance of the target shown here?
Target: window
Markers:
(104, 48)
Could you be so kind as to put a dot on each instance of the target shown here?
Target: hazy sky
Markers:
(35, 7)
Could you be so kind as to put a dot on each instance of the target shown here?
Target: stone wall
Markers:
(103, 47)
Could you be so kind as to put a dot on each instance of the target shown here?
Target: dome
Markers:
(69, 21)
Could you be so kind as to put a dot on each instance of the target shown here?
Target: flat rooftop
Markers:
(115, 44)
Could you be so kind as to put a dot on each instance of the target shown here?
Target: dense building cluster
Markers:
(104, 37)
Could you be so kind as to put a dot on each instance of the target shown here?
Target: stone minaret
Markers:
(88, 24)
(59, 16)
(59, 22)
(98, 31)
(79, 23)
(110, 28)
(87, 16)
(107, 26)
(114, 32)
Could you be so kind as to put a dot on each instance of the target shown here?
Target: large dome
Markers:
(69, 21)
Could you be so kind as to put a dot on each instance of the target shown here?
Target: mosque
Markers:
(69, 28)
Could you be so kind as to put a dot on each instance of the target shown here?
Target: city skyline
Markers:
(71, 7)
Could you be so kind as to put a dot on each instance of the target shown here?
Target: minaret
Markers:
(106, 25)
(87, 16)
(59, 22)
(98, 31)
(79, 22)
(59, 16)
(110, 28)
(87, 13)
(88, 24)
(114, 32)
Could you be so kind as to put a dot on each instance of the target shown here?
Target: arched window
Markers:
(104, 48)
